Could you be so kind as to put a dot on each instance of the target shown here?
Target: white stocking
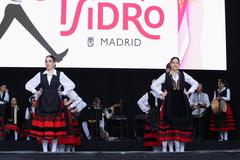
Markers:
(182, 146)
(69, 147)
(45, 145)
(54, 145)
(221, 134)
(155, 148)
(15, 135)
(225, 135)
(177, 146)
(61, 148)
(164, 146)
(170, 145)
(73, 148)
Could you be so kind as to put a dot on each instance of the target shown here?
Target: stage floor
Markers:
(123, 145)
(121, 150)
(130, 155)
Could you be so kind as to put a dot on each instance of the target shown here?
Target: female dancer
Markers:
(149, 103)
(175, 117)
(48, 120)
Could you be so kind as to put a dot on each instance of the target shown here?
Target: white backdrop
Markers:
(19, 49)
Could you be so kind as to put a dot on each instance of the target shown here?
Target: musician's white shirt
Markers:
(227, 98)
(157, 85)
(143, 102)
(67, 84)
(199, 98)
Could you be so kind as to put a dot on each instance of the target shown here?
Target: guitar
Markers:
(108, 112)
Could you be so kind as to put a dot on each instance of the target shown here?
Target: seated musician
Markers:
(12, 120)
(4, 99)
(28, 117)
(199, 101)
(93, 114)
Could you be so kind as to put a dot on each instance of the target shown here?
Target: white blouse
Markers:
(227, 98)
(67, 84)
(157, 85)
(80, 106)
(77, 101)
(143, 102)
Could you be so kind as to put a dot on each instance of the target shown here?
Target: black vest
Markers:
(49, 100)
(30, 112)
(154, 113)
(223, 93)
(169, 82)
(177, 111)
(2, 96)
(151, 100)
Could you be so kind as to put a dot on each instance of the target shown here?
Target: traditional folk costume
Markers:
(92, 115)
(175, 117)
(4, 99)
(150, 105)
(73, 129)
(223, 121)
(48, 121)
(28, 120)
(12, 119)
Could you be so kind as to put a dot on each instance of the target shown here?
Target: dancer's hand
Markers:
(38, 93)
(60, 93)
(164, 94)
(67, 103)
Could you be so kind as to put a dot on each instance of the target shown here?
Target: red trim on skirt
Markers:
(150, 138)
(11, 127)
(73, 136)
(166, 133)
(70, 140)
(228, 126)
(48, 126)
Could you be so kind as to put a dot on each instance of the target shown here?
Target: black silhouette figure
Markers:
(16, 11)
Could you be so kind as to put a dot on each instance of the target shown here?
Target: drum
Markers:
(223, 106)
(199, 112)
(215, 106)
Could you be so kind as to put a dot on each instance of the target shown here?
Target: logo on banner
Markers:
(90, 41)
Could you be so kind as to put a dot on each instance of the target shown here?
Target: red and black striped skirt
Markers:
(150, 138)
(1, 128)
(222, 121)
(167, 133)
(11, 127)
(48, 126)
(73, 134)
